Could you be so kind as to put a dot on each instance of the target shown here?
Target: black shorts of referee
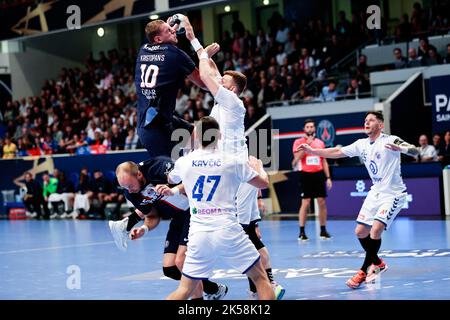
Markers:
(312, 185)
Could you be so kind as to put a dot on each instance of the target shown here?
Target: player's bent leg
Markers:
(170, 269)
(184, 290)
(362, 232)
(259, 277)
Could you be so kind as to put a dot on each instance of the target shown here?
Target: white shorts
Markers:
(231, 244)
(247, 204)
(383, 207)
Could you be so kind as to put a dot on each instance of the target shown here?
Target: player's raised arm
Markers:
(333, 153)
(209, 74)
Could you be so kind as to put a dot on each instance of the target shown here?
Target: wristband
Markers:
(176, 191)
(145, 229)
(196, 44)
(204, 55)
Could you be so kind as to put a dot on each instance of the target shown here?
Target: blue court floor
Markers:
(40, 260)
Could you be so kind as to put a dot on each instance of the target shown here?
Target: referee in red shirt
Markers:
(314, 174)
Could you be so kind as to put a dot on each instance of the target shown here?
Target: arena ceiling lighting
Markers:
(154, 17)
(266, 2)
(100, 32)
(227, 8)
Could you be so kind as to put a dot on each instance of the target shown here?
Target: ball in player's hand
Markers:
(179, 19)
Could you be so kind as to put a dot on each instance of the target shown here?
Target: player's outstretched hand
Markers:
(164, 190)
(304, 147)
(136, 233)
(212, 49)
(393, 147)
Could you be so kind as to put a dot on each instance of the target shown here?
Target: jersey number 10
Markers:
(197, 192)
(147, 74)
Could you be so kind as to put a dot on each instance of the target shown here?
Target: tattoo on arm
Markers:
(407, 148)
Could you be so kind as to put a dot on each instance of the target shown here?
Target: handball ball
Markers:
(178, 18)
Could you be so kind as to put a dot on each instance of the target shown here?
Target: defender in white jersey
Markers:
(381, 156)
(229, 111)
(211, 180)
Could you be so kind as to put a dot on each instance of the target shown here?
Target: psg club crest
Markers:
(326, 132)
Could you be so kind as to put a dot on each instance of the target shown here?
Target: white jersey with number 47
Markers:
(211, 179)
(382, 164)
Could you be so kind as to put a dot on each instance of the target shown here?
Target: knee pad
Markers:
(251, 231)
(172, 272)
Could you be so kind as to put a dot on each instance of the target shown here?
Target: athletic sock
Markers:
(365, 242)
(323, 229)
(269, 274)
(302, 229)
(376, 244)
(133, 219)
(210, 287)
(201, 298)
(251, 285)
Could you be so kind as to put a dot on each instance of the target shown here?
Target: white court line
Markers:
(446, 279)
(409, 284)
(91, 244)
(428, 281)
(346, 292)
(324, 296)
(388, 287)
(302, 299)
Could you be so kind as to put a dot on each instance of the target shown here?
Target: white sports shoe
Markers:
(54, 216)
(219, 295)
(252, 295)
(120, 234)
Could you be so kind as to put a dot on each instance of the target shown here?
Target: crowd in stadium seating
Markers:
(94, 110)
(84, 195)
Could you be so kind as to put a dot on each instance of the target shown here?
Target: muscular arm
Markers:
(333, 153)
(196, 79)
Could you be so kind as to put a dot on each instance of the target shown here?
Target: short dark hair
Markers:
(207, 130)
(377, 114)
(309, 120)
(239, 79)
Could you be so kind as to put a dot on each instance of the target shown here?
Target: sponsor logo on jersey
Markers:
(211, 211)
(373, 167)
(326, 132)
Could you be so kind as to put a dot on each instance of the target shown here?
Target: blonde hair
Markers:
(128, 167)
(152, 29)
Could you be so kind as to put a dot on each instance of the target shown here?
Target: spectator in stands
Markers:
(9, 149)
(302, 95)
(445, 153)
(65, 192)
(433, 58)
(329, 93)
(103, 188)
(413, 59)
(354, 89)
(117, 138)
(272, 92)
(132, 139)
(424, 47)
(84, 196)
(33, 199)
(400, 61)
(343, 26)
(289, 89)
(1, 148)
(427, 153)
(437, 144)
(49, 186)
(447, 58)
